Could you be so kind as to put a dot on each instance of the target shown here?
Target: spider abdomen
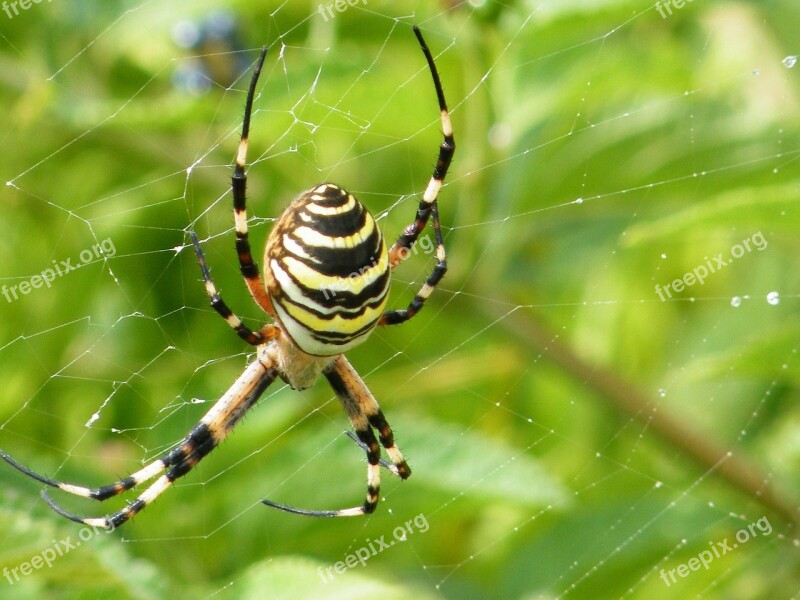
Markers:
(327, 271)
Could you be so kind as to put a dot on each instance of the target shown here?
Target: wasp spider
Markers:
(326, 280)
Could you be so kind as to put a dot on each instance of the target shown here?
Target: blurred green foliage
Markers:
(602, 150)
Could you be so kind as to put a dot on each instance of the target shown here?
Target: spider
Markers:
(325, 286)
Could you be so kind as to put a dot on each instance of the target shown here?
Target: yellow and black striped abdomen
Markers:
(327, 271)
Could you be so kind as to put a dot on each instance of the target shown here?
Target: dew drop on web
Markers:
(773, 298)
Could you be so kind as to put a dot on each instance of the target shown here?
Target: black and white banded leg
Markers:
(253, 338)
(247, 265)
(202, 439)
(365, 416)
(428, 209)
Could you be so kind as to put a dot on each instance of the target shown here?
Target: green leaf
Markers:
(290, 577)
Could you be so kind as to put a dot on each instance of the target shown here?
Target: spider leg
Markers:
(384, 463)
(202, 439)
(101, 493)
(428, 208)
(253, 338)
(248, 266)
(365, 415)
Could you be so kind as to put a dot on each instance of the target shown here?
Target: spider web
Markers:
(600, 390)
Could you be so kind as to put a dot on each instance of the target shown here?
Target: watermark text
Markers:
(326, 10)
(355, 280)
(49, 555)
(102, 249)
(718, 550)
(701, 272)
(374, 547)
(17, 5)
(665, 8)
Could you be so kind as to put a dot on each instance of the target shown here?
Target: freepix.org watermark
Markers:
(374, 547)
(665, 8)
(102, 249)
(17, 5)
(354, 280)
(326, 10)
(701, 272)
(718, 550)
(49, 555)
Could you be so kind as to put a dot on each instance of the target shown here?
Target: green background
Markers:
(570, 434)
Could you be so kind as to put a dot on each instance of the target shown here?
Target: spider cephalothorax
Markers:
(326, 282)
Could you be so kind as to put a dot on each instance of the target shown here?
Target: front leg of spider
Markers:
(323, 299)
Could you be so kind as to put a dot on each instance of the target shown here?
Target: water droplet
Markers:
(663, 255)
(773, 298)
(736, 301)
(662, 392)
(790, 61)
(579, 201)
(756, 72)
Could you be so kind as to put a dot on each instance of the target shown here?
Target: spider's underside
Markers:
(326, 282)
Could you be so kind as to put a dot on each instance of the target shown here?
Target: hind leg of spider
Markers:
(202, 439)
(365, 416)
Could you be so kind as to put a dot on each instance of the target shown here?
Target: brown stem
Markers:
(625, 397)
